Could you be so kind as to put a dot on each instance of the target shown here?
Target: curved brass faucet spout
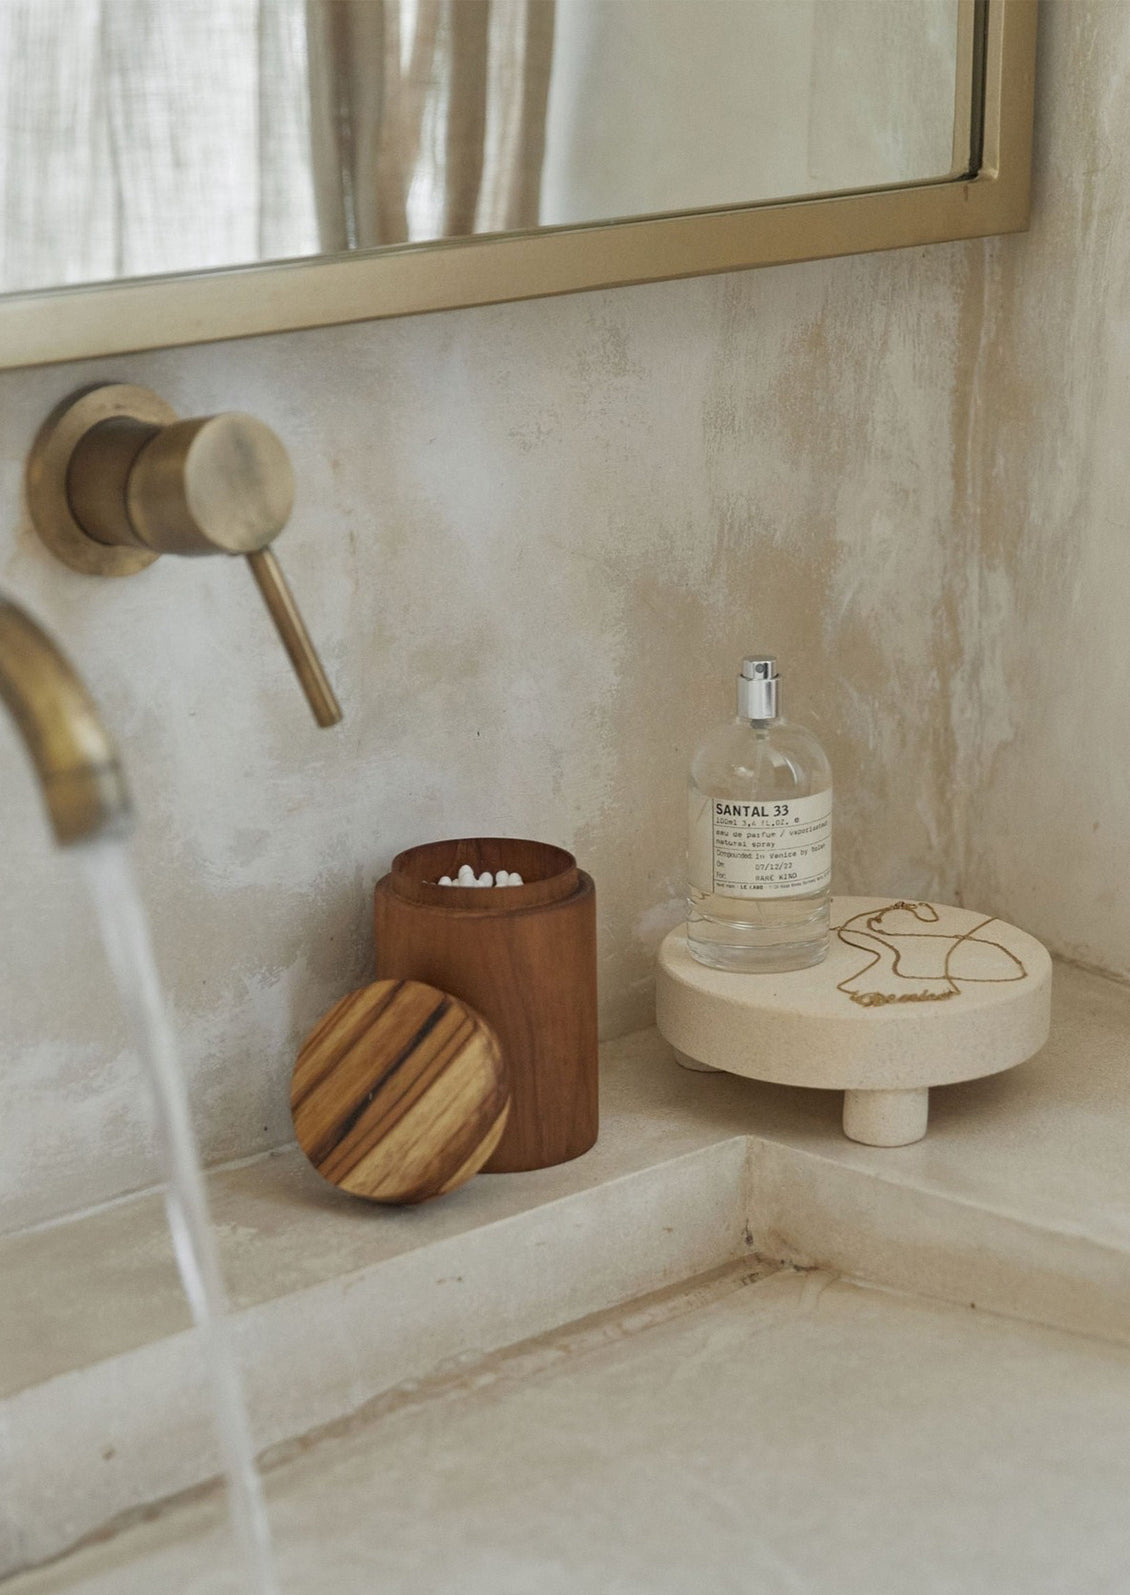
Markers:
(74, 758)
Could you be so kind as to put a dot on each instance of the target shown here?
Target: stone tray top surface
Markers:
(1019, 1201)
(910, 994)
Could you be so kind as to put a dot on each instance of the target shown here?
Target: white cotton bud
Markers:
(501, 879)
(485, 879)
(445, 880)
(515, 879)
(466, 875)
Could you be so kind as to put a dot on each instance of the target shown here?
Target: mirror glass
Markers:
(154, 137)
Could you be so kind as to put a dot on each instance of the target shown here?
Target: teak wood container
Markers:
(525, 958)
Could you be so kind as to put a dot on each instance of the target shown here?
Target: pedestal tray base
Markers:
(911, 995)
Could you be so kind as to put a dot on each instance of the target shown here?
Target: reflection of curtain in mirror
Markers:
(428, 116)
(896, 121)
(143, 136)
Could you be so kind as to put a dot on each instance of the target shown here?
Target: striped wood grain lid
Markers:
(399, 1093)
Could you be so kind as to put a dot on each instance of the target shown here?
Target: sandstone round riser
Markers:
(886, 1118)
(911, 995)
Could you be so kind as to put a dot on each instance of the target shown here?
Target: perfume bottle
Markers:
(760, 856)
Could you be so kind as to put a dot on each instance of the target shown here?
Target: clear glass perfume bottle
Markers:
(760, 856)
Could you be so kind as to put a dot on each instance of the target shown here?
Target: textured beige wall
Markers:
(1045, 606)
(533, 542)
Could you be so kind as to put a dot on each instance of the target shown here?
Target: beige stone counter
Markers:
(1018, 1200)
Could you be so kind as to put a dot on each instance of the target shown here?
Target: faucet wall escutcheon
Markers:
(115, 479)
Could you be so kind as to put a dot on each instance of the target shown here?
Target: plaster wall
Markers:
(533, 542)
(1045, 605)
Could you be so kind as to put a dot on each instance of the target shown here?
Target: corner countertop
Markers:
(1043, 1147)
(1018, 1201)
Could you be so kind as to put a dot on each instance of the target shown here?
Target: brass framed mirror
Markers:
(225, 168)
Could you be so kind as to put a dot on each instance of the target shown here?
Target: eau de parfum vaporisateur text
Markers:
(760, 854)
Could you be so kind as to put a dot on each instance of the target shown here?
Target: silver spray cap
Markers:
(758, 688)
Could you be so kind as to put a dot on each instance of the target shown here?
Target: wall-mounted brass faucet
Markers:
(74, 758)
(115, 479)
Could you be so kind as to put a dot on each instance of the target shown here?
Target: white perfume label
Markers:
(776, 849)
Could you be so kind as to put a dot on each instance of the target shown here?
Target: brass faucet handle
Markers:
(116, 479)
(220, 484)
(294, 637)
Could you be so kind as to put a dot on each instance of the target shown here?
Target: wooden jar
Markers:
(525, 958)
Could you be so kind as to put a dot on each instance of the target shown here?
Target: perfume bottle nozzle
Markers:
(758, 689)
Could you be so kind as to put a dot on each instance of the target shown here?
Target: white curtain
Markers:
(143, 137)
(429, 116)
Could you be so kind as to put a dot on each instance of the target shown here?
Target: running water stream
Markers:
(108, 872)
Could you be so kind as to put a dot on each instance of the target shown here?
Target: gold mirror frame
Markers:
(404, 280)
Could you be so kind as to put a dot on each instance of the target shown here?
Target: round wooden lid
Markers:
(399, 1092)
